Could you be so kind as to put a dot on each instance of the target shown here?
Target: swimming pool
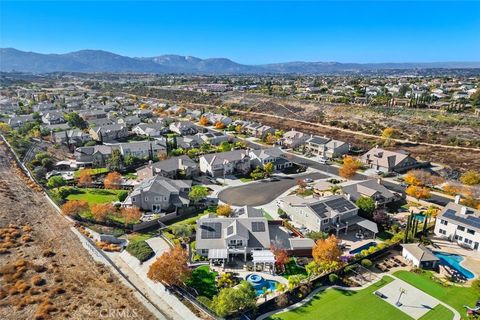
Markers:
(453, 261)
(259, 283)
(420, 217)
(364, 247)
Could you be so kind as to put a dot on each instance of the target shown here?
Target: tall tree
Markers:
(326, 251)
(349, 167)
(114, 162)
(171, 267)
(113, 180)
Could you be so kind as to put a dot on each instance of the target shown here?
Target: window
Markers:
(325, 221)
(471, 231)
(146, 198)
(157, 198)
(156, 208)
(133, 199)
(460, 228)
(441, 231)
(459, 238)
(444, 222)
(467, 241)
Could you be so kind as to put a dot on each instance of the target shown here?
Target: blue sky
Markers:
(250, 32)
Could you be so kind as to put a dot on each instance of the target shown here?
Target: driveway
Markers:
(262, 192)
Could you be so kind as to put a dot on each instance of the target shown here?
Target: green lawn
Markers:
(94, 196)
(137, 237)
(454, 296)
(94, 171)
(291, 268)
(203, 280)
(355, 305)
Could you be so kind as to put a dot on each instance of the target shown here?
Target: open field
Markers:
(355, 305)
(46, 272)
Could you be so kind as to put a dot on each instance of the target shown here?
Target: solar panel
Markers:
(470, 219)
(258, 226)
(340, 205)
(211, 230)
(319, 208)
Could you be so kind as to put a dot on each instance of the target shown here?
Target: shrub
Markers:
(333, 278)
(281, 300)
(205, 301)
(140, 250)
(122, 195)
(476, 285)
(366, 263)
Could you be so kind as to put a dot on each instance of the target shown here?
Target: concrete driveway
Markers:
(262, 192)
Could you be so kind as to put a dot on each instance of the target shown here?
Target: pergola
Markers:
(218, 254)
(265, 257)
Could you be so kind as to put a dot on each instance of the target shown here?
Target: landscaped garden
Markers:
(355, 305)
(292, 268)
(95, 196)
(93, 172)
(203, 281)
(454, 296)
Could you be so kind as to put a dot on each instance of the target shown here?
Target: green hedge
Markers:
(140, 250)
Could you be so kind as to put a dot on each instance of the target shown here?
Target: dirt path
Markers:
(44, 270)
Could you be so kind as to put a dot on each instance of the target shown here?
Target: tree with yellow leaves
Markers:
(203, 121)
(349, 167)
(418, 192)
(224, 210)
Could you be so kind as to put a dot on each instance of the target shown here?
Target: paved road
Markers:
(262, 192)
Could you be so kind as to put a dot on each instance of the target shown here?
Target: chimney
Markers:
(457, 199)
(348, 196)
(379, 181)
(463, 210)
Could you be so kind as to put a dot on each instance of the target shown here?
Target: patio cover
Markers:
(217, 254)
(263, 256)
(369, 225)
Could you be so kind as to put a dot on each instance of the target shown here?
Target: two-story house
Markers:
(160, 194)
(460, 224)
(294, 139)
(260, 157)
(389, 161)
(171, 168)
(109, 132)
(183, 128)
(372, 189)
(225, 163)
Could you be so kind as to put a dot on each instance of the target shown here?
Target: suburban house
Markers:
(93, 114)
(419, 255)
(388, 161)
(160, 194)
(326, 148)
(213, 118)
(53, 117)
(258, 158)
(150, 129)
(143, 113)
(293, 139)
(97, 156)
(213, 137)
(129, 121)
(332, 213)
(183, 128)
(371, 189)
(258, 130)
(225, 163)
(18, 121)
(249, 233)
(170, 168)
(460, 224)
(189, 142)
(109, 132)
(101, 122)
(75, 136)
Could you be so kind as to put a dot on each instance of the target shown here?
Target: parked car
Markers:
(323, 161)
(308, 180)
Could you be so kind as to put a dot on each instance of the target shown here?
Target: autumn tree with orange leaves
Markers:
(113, 180)
(281, 257)
(171, 267)
(219, 125)
(74, 208)
(418, 192)
(349, 167)
(326, 251)
(130, 214)
(101, 211)
(85, 177)
(203, 121)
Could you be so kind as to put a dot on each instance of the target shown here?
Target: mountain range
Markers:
(90, 61)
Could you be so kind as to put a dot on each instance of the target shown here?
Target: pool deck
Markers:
(471, 258)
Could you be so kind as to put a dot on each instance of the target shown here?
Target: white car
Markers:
(308, 180)
(323, 161)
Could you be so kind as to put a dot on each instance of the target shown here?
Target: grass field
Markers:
(203, 280)
(291, 268)
(454, 296)
(355, 305)
(93, 171)
(94, 196)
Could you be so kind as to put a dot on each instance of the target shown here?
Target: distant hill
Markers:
(103, 61)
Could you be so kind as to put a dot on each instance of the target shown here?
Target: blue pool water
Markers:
(420, 217)
(453, 261)
(259, 283)
(364, 247)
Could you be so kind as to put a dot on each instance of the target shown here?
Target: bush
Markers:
(333, 278)
(205, 301)
(366, 263)
(140, 250)
(476, 285)
(122, 195)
